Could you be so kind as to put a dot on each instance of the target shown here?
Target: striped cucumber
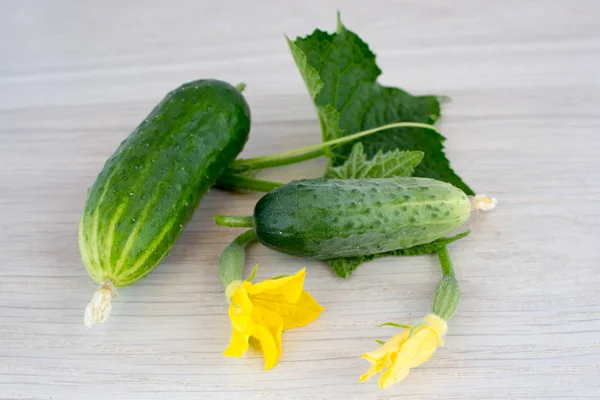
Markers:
(149, 188)
(330, 218)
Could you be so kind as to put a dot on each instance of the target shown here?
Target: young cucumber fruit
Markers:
(149, 188)
(329, 218)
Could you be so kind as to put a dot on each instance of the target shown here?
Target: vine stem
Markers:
(314, 151)
(245, 238)
(244, 182)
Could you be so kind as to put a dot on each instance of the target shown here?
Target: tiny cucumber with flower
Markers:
(149, 188)
(260, 312)
(415, 344)
(330, 218)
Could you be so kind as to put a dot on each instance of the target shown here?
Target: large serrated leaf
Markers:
(341, 76)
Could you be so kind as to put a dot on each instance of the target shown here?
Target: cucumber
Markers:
(330, 218)
(149, 188)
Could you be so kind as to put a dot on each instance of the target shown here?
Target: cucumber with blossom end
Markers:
(149, 188)
(331, 218)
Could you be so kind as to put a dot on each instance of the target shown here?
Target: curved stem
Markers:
(233, 181)
(446, 262)
(314, 151)
(271, 161)
(245, 238)
(232, 221)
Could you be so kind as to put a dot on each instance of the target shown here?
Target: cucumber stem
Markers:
(233, 181)
(98, 309)
(233, 221)
(314, 151)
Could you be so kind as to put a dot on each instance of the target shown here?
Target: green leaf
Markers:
(344, 267)
(340, 73)
(382, 165)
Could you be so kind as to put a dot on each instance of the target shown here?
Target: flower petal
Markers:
(392, 345)
(267, 330)
(305, 311)
(260, 312)
(288, 287)
(390, 377)
(367, 375)
(425, 346)
(300, 313)
(238, 344)
(401, 353)
(375, 368)
(437, 324)
(414, 352)
(240, 309)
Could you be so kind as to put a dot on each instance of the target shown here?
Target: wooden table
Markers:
(523, 125)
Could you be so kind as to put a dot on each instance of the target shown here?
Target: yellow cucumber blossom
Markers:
(261, 312)
(416, 344)
(408, 349)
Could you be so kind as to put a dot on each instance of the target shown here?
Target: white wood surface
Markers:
(77, 77)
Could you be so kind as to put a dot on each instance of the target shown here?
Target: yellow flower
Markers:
(405, 351)
(261, 311)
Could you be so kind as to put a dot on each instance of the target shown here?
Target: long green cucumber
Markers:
(330, 218)
(149, 188)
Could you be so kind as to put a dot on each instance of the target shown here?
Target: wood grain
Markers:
(77, 77)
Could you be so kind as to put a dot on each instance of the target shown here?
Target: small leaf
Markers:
(382, 165)
(381, 342)
(344, 266)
